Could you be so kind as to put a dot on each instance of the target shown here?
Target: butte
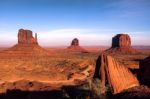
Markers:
(27, 45)
(121, 43)
(75, 47)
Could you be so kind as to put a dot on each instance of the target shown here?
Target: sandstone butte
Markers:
(121, 43)
(144, 71)
(75, 47)
(118, 76)
(26, 37)
(27, 45)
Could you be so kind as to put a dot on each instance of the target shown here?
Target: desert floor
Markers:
(59, 67)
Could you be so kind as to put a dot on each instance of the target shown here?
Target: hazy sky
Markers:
(57, 22)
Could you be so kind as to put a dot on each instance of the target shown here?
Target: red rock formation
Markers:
(74, 47)
(25, 37)
(121, 40)
(75, 42)
(27, 45)
(144, 71)
(119, 77)
(121, 43)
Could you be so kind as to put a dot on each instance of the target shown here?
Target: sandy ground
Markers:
(58, 69)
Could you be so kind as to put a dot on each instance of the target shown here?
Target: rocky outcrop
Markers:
(121, 43)
(144, 71)
(26, 37)
(139, 92)
(74, 47)
(27, 45)
(121, 40)
(75, 42)
(119, 77)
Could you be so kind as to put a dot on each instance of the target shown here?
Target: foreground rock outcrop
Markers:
(139, 92)
(121, 43)
(144, 71)
(119, 77)
(27, 45)
(75, 47)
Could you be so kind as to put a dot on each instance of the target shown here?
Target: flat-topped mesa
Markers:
(121, 40)
(75, 42)
(75, 46)
(26, 37)
(121, 43)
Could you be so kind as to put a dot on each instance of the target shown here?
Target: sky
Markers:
(93, 22)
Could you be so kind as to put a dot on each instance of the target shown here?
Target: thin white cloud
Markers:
(7, 39)
(140, 38)
(63, 37)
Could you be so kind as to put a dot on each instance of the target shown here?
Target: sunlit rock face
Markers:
(27, 45)
(119, 76)
(121, 43)
(26, 37)
(121, 40)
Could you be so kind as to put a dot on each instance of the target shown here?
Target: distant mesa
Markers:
(121, 43)
(144, 71)
(75, 46)
(27, 44)
(75, 42)
(25, 37)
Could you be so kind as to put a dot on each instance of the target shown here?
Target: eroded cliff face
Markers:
(144, 71)
(26, 37)
(121, 43)
(118, 76)
(121, 40)
(27, 45)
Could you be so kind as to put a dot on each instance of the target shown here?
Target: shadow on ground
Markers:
(65, 93)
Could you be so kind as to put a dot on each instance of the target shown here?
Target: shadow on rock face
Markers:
(144, 72)
(97, 68)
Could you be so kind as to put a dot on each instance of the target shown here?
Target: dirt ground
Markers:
(60, 65)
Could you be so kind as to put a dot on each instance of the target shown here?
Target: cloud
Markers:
(140, 38)
(7, 39)
(63, 37)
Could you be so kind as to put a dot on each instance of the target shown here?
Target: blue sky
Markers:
(57, 22)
